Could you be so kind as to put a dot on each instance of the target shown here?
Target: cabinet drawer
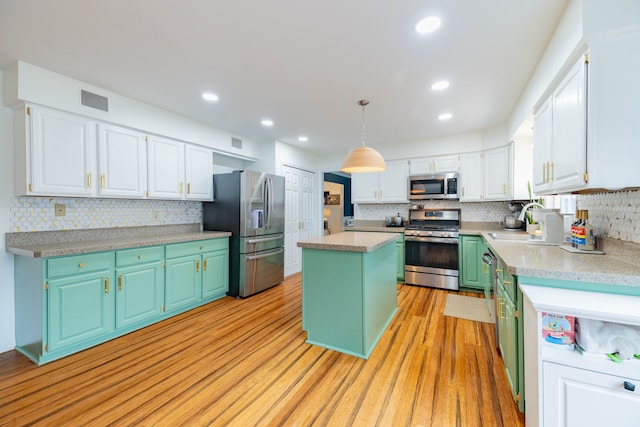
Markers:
(198, 247)
(508, 281)
(139, 256)
(79, 264)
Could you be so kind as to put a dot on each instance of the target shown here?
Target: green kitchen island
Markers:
(349, 290)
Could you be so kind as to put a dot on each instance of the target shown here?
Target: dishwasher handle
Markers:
(487, 258)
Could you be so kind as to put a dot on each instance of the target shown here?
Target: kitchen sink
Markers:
(514, 237)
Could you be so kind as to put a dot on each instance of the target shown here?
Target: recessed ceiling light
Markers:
(302, 138)
(209, 96)
(443, 84)
(267, 122)
(427, 25)
(445, 116)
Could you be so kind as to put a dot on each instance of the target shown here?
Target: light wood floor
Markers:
(245, 362)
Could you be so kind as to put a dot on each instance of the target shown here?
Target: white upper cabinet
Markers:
(585, 133)
(122, 162)
(166, 168)
(59, 154)
(521, 152)
(497, 174)
(199, 173)
(389, 186)
(426, 165)
(471, 177)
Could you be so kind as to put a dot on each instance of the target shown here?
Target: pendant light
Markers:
(363, 158)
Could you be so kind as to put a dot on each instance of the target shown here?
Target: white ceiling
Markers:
(303, 64)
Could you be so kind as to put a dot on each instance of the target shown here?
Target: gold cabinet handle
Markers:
(544, 172)
(204, 264)
(119, 282)
(106, 285)
(553, 171)
(188, 188)
(197, 266)
(140, 256)
(181, 187)
(506, 282)
(81, 265)
(102, 181)
(89, 180)
(498, 270)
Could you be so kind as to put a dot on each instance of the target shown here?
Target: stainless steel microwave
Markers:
(433, 186)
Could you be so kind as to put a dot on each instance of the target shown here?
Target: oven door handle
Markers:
(451, 241)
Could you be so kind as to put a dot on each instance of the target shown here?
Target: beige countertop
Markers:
(552, 262)
(374, 228)
(356, 241)
(57, 243)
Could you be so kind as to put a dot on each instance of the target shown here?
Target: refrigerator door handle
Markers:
(265, 255)
(267, 239)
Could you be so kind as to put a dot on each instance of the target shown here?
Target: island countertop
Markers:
(353, 241)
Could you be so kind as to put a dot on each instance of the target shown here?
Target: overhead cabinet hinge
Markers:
(586, 58)
(46, 286)
(28, 111)
(516, 314)
(585, 177)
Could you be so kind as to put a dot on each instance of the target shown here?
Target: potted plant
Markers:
(532, 225)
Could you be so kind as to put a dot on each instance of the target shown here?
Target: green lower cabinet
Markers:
(215, 273)
(139, 293)
(471, 250)
(81, 308)
(70, 303)
(183, 282)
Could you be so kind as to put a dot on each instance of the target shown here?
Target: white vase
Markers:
(531, 228)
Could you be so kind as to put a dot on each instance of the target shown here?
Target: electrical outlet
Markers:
(155, 216)
(60, 209)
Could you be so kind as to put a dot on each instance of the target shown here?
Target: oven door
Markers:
(431, 261)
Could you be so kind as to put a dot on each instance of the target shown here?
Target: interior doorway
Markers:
(300, 214)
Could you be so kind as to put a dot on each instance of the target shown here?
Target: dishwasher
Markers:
(490, 262)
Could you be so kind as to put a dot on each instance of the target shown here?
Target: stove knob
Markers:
(416, 233)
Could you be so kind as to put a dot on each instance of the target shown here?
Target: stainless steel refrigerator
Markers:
(250, 205)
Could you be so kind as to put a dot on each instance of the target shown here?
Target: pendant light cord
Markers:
(363, 103)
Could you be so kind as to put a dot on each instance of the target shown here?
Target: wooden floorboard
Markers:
(245, 363)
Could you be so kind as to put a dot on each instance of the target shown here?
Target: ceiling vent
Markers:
(236, 143)
(94, 101)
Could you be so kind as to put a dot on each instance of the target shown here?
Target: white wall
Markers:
(7, 323)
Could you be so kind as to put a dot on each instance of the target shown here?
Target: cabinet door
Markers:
(199, 172)
(400, 258)
(471, 177)
(497, 174)
(215, 273)
(508, 339)
(421, 166)
(166, 168)
(569, 130)
(542, 140)
(446, 164)
(63, 154)
(139, 293)
(80, 308)
(365, 187)
(122, 162)
(393, 182)
(579, 397)
(471, 261)
(183, 281)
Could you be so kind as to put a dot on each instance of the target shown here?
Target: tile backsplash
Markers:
(470, 212)
(615, 215)
(37, 213)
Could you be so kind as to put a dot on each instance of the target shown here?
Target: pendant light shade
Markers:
(363, 158)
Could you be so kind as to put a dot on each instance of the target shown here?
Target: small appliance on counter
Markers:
(551, 231)
(394, 221)
(511, 222)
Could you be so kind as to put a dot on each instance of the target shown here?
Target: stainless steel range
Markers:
(431, 248)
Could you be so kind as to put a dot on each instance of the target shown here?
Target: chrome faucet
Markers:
(527, 206)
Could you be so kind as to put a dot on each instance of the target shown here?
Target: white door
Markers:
(166, 168)
(122, 162)
(300, 215)
(199, 172)
(63, 154)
